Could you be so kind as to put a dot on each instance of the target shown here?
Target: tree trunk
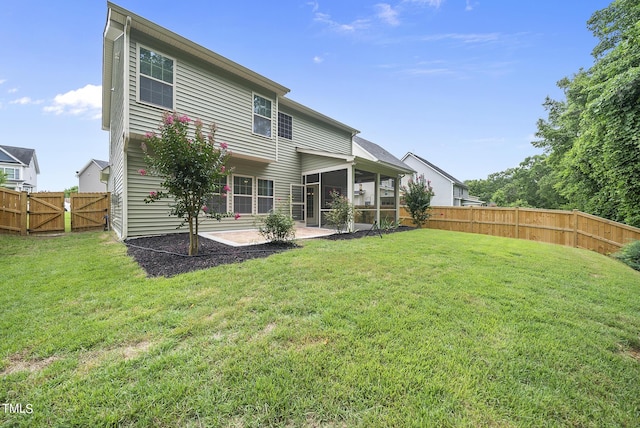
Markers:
(193, 239)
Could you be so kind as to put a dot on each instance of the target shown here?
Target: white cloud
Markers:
(358, 24)
(2, 81)
(25, 101)
(432, 3)
(464, 38)
(314, 6)
(83, 101)
(12, 90)
(318, 59)
(387, 14)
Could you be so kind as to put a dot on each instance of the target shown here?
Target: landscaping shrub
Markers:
(278, 227)
(630, 255)
(342, 212)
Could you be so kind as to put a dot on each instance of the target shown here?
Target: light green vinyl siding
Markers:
(204, 93)
(116, 139)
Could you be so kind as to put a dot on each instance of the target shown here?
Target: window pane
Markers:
(265, 205)
(242, 204)
(242, 186)
(284, 126)
(261, 106)
(156, 92)
(265, 187)
(261, 126)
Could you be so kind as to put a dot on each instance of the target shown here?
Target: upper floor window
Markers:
(156, 78)
(284, 126)
(11, 173)
(261, 116)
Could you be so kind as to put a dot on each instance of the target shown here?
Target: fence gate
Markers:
(88, 210)
(46, 212)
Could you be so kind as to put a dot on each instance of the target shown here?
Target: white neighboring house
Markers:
(90, 178)
(21, 168)
(449, 191)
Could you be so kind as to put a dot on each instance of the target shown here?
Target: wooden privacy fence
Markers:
(571, 228)
(22, 213)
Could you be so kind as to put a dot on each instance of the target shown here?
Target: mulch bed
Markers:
(167, 255)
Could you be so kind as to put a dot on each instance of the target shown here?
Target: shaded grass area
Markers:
(421, 328)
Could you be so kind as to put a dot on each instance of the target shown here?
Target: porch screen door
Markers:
(296, 195)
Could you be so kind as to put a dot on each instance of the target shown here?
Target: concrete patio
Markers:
(239, 238)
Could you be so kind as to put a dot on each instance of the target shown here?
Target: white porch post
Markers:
(350, 193)
(377, 192)
(396, 193)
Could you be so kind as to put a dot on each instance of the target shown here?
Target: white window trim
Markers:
(258, 197)
(254, 190)
(253, 115)
(173, 84)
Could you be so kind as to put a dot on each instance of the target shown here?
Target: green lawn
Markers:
(420, 328)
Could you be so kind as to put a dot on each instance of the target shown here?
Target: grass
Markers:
(420, 328)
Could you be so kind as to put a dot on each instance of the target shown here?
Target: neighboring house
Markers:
(448, 190)
(21, 168)
(90, 177)
(285, 155)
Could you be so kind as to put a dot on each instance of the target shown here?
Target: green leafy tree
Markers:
(191, 167)
(70, 190)
(593, 137)
(417, 197)
(3, 178)
(531, 184)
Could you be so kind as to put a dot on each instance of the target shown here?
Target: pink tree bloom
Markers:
(224, 195)
(142, 171)
(184, 119)
(237, 216)
(224, 146)
(198, 123)
(223, 168)
(152, 194)
(149, 135)
(205, 209)
(226, 188)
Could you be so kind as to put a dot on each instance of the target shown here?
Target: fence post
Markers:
(517, 222)
(24, 213)
(473, 219)
(575, 228)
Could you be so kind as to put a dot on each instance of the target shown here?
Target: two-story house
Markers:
(448, 190)
(20, 166)
(284, 153)
(91, 177)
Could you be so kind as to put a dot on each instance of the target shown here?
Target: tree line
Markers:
(591, 138)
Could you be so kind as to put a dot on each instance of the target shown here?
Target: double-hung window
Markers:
(265, 196)
(242, 194)
(284, 126)
(261, 116)
(12, 173)
(218, 201)
(156, 78)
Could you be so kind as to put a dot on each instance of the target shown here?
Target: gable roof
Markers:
(21, 155)
(381, 155)
(437, 169)
(99, 163)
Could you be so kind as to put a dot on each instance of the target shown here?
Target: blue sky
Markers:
(458, 82)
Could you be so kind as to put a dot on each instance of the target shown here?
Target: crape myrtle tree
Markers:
(417, 197)
(191, 167)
